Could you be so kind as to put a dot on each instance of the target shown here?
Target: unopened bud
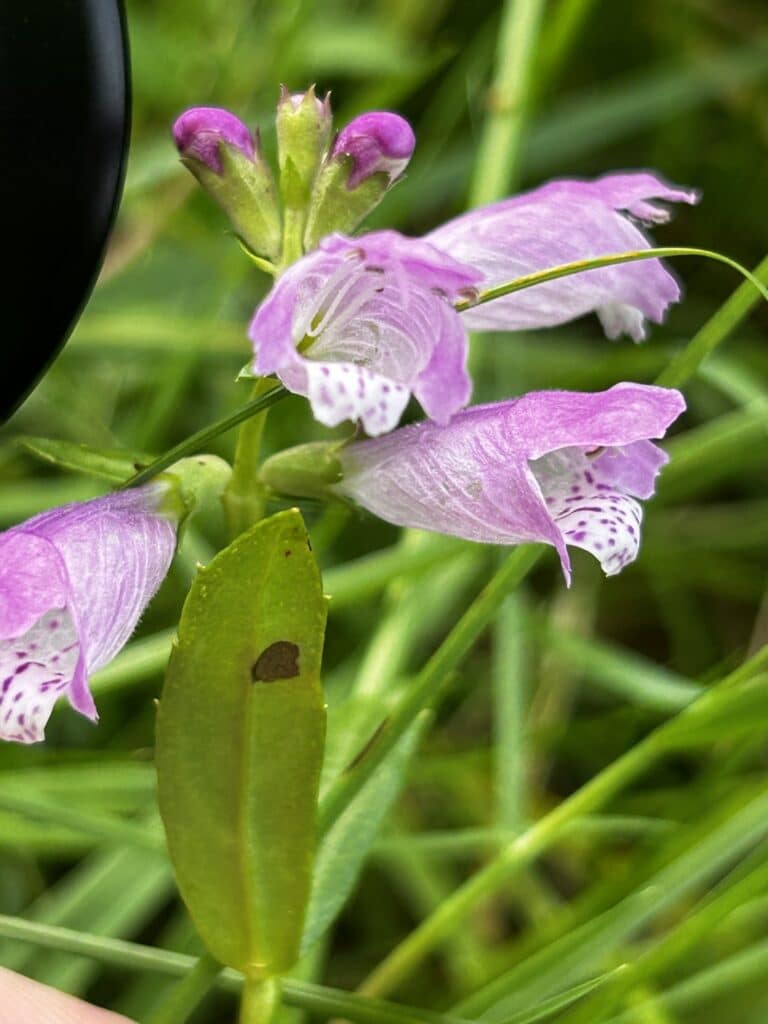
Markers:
(377, 142)
(225, 158)
(303, 133)
(368, 156)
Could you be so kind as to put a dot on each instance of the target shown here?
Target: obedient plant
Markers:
(560, 467)
(357, 324)
(73, 583)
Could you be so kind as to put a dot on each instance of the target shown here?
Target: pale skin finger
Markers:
(24, 1000)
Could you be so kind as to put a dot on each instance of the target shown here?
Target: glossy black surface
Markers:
(63, 133)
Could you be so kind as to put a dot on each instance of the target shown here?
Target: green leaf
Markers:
(114, 465)
(240, 736)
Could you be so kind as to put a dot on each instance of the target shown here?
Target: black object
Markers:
(64, 104)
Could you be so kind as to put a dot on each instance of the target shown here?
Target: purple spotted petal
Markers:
(377, 142)
(199, 132)
(360, 324)
(559, 223)
(73, 583)
(560, 467)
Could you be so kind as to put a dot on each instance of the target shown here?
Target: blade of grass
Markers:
(526, 847)
(424, 690)
(719, 326)
(318, 999)
(186, 995)
(498, 150)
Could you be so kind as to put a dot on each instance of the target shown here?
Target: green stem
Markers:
(509, 676)
(244, 499)
(198, 440)
(293, 237)
(316, 999)
(499, 150)
(594, 263)
(714, 331)
(427, 685)
(259, 1001)
(185, 997)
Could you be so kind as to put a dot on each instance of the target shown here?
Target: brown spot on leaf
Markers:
(287, 552)
(278, 661)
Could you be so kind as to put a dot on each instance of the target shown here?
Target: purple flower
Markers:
(560, 467)
(359, 324)
(199, 132)
(377, 142)
(73, 583)
(559, 223)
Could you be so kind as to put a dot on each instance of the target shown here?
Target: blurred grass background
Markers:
(672, 875)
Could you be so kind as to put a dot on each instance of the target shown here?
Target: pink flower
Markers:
(73, 583)
(360, 324)
(558, 467)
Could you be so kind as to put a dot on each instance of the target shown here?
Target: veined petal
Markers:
(92, 567)
(117, 551)
(558, 467)
(619, 416)
(425, 264)
(32, 580)
(380, 304)
(558, 223)
(444, 385)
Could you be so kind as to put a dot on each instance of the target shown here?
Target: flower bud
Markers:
(221, 153)
(368, 156)
(376, 142)
(307, 471)
(303, 133)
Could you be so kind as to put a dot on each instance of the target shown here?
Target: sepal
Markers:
(306, 471)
